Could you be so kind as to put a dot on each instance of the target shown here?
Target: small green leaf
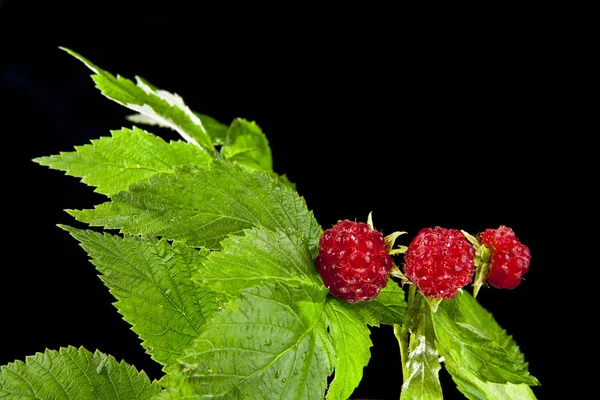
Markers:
(269, 343)
(166, 108)
(387, 308)
(130, 156)
(351, 338)
(216, 129)
(260, 256)
(468, 334)
(476, 389)
(71, 373)
(203, 206)
(422, 365)
(247, 144)
(151, 281)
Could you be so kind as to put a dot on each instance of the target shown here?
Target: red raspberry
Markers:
(353, 261)
(509, 258)
(439, 261)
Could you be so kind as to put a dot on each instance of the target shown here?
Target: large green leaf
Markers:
(167, 108)
(70, 374)
(203, 206)
(151, 280)
(260, 256)
(351, 338)
(129, 156)
(468, 334)
(271, 342)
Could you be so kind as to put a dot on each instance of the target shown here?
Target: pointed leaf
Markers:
(475, 389)
(467, 334)
(167, 108)
(204, 206)
(269, 343)
(151, 281)
(247, 144)
(260, 256)
(352, 342)
(114, 163)
(71, 373)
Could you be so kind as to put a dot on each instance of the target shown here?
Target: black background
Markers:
(422, 119)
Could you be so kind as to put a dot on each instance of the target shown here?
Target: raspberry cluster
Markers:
(355, 264)
(353, 261)
(439, 261)
(509, 258)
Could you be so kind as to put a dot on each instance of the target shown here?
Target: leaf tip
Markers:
(81, 58)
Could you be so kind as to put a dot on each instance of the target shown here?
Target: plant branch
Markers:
(402, 332)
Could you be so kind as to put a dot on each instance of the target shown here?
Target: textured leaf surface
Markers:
(269, 343)
(247, 144)
(167, 108)
(72, 373)
(204, 206)
(352, 342)
(129, 156)
(151, 280)
(260, 256)
(422, 366)
(468, 334)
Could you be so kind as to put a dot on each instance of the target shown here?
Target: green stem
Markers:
(403, 332)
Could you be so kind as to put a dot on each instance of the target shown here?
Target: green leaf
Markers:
(247, 144)
(129, 156)
(468, 334)
(387, 308)
(205, 205)
(216, 129)
(166, 108)
(476, 389)
(351, 338)
(422, 365)
(269, 343)
(72, 373)
(151, 281)
(259, 257)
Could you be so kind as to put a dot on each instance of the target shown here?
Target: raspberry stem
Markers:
(402, 332)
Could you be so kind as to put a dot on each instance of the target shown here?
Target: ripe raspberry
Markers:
(439, 261)
(353, 261)
(509, 258)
